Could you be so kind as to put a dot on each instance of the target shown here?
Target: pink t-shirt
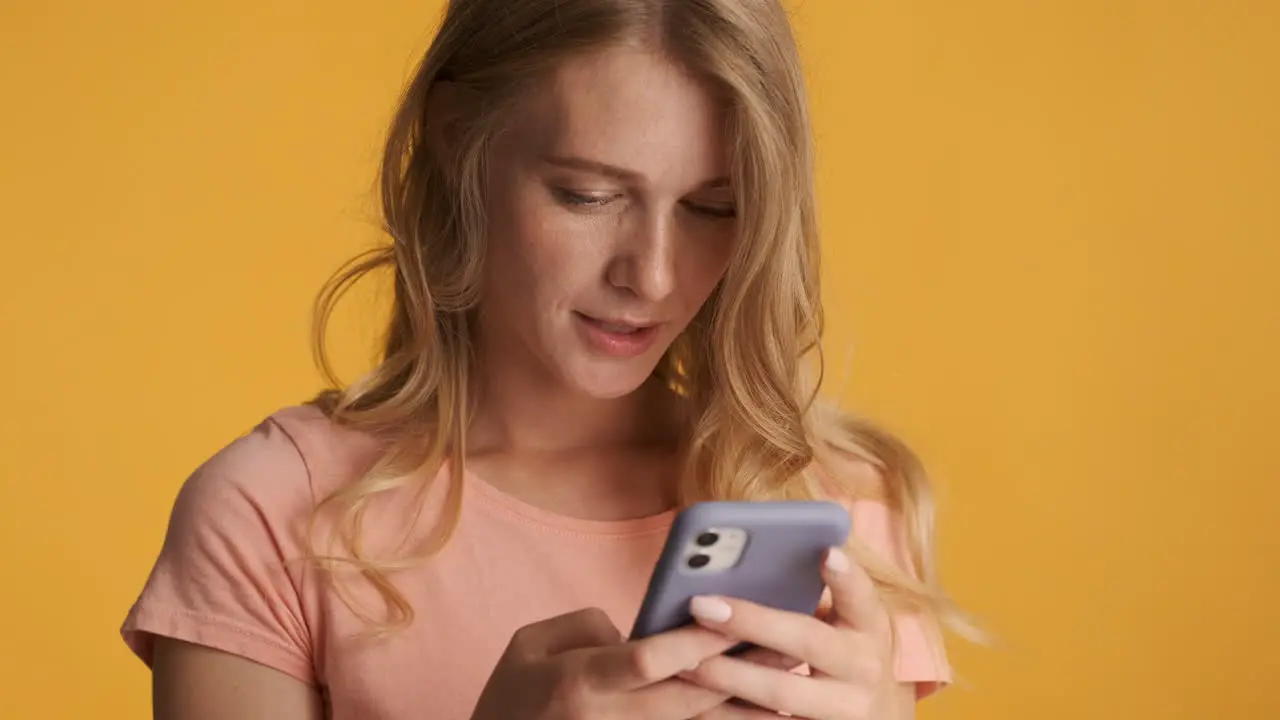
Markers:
(232, 575)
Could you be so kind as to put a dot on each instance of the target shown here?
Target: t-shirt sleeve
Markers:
(919, 653)
(229, 573)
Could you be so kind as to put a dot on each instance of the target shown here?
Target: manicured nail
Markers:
(710, 609)
(837, 561)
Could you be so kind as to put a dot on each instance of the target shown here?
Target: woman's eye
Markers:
(569, 197)
(714, 210)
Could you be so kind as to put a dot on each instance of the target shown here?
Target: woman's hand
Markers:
(848, 654)
(576, 666)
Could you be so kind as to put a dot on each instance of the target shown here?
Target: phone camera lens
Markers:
(707, 539)
(699, 561)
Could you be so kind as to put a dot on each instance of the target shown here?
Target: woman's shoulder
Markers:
(229, 574)
(860, 485)
(291, 458)
(853, 478)
(847, 477)
(332, 453)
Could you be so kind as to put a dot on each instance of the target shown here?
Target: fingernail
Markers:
(837, 561)
(710, 609)
(693, 667)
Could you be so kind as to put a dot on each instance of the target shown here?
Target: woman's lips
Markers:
(616, 337)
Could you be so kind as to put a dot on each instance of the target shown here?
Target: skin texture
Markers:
(645, 239)
(190, 682)
(570, 238)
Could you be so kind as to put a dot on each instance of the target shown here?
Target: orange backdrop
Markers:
(1051, 227)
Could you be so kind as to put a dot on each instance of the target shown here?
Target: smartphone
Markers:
(768, 552)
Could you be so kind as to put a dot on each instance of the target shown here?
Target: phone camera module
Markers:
(699, 561)
(707, 539)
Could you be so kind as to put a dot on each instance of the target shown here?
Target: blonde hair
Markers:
(747, 368)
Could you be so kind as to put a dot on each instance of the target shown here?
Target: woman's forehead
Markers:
(631, 109)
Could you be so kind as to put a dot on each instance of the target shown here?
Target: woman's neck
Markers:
(518, 413)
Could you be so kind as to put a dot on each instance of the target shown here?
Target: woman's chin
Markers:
(609, 381)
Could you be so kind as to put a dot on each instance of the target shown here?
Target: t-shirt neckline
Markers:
(546, 519)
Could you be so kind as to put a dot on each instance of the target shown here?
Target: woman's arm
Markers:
(902, 706)
(192, 682)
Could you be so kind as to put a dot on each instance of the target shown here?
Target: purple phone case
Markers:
(779, 567)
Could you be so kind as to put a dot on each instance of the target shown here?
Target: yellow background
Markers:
(1052, 228)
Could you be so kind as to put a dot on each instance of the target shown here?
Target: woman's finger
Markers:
(794, 635)
(779, 690)
(770, 658)
(854, 598)
(640, 663)
(731, 711)
(758, 656)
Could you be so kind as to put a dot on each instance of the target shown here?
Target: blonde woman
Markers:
(601, 232)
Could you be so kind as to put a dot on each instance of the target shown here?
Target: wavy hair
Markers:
(747, 369)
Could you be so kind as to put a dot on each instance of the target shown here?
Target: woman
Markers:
(606, 289)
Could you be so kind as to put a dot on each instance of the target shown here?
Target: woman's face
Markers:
(611, 221)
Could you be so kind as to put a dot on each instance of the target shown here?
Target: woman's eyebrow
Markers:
(574, 162)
